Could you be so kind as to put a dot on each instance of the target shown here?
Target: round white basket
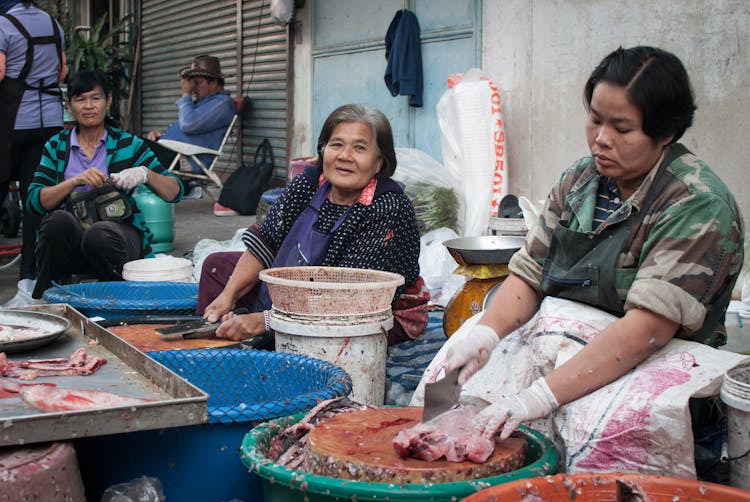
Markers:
(326, 291)
(161, 268)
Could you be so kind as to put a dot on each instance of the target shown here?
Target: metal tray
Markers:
(128, 371)
(45, 329)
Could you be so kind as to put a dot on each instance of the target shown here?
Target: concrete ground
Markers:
(194, 220)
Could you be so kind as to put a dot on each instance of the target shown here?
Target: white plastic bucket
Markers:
(161, 268)
(357, 344)
(735, 392)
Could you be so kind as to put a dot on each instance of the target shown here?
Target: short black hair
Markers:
(87, 80)
(656, 82)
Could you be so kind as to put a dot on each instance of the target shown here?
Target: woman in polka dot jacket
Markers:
(343, 211)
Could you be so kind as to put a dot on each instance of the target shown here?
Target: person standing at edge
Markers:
(32, 64)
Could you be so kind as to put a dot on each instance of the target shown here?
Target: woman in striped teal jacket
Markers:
(94, 154)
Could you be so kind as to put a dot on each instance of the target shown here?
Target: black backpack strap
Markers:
(55, 38)
(29, 46)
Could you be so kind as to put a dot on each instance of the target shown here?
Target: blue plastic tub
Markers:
(267, 199)
(202, 462)
(126, 299)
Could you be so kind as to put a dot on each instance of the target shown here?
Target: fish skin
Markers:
(47, 398)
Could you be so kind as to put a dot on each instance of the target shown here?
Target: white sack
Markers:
(205, 247)
(638, 423)
(473, 148)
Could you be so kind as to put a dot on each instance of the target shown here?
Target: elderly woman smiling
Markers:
(344, 211)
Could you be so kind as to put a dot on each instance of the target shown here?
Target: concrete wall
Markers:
(540, 52)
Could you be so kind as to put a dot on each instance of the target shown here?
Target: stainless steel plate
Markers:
(30, 329)
(484, 250)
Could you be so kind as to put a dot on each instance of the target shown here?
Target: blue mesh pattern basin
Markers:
(252, 386)
(123, 299)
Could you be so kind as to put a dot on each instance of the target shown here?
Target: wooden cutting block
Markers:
(359, 445)
(146, 339)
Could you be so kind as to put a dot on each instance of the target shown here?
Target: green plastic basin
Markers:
(286, 485)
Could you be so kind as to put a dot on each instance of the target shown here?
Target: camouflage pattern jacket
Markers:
(681, 262)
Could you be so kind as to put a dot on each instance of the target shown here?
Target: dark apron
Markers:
(580, 266)
(304, 245)
(13, 89)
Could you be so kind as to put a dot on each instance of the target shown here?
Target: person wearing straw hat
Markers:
(204, 110)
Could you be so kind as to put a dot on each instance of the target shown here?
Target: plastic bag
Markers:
(472, 137)
(205, 247)
(282, 11)
(436, 264)
(143, 489)
(23, 297)
(429, 186)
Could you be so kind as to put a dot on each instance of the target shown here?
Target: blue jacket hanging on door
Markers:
(403, 73)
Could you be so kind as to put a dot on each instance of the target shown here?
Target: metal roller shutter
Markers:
(175, 31)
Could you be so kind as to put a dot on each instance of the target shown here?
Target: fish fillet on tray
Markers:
(87, 376)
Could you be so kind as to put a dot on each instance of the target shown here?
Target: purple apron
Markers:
(303, 245)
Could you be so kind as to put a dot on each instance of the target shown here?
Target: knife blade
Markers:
(191, 329)
(200, 328)
(441, 395)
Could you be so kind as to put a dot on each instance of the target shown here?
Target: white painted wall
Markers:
(540, 53)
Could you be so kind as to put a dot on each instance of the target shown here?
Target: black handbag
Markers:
(243, 188)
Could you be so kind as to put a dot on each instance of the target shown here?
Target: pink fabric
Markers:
(217, 268)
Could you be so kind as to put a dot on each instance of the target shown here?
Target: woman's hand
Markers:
(129, 178)
(92, 177)
(471, 351)
(217, 309)
(241, 327)
(536, 401)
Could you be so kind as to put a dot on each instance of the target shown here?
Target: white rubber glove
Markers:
(472, 351)
(536, 401)
(128, 179)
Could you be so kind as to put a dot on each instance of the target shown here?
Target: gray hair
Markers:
(378, 124)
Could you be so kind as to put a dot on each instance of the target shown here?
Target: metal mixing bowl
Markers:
(484, 250)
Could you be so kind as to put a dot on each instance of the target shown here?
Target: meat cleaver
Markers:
(190, 329)
(193, 329)
(441, 396)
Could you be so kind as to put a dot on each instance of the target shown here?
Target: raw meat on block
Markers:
(449, 435)
(358, 445)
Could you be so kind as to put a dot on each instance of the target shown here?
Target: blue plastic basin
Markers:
(202, 462)
(126, 299)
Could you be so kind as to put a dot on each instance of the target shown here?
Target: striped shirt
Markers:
(607, 201)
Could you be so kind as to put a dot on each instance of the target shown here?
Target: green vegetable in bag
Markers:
(435, 206)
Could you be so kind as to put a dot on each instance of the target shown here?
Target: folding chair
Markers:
(189, 151)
